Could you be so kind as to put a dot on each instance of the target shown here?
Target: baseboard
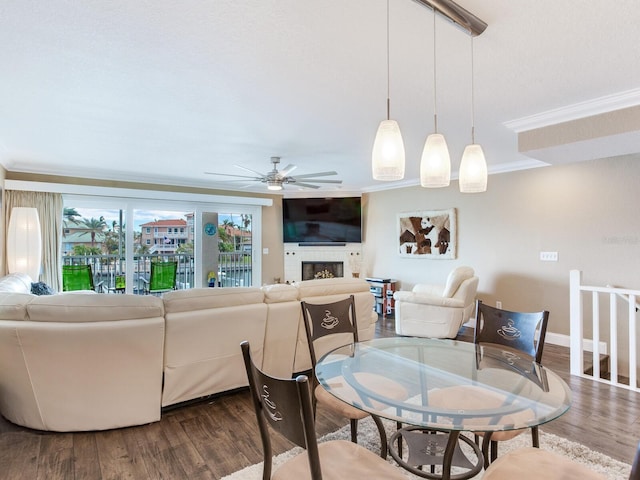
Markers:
(565, 341)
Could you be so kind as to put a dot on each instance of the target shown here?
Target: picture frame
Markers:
(430, 234)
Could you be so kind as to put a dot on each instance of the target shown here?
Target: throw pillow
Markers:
(41, 288)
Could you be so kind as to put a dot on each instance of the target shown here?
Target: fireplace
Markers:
(314, 270)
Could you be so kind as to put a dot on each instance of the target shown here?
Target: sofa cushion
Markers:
(16, 283)
(13, 306)
(331, 286)
(94, 307)
(455, 279)
(280, 292)
(204, 298)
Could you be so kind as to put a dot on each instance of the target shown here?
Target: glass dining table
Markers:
(452, 387)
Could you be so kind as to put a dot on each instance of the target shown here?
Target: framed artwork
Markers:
(427, 234)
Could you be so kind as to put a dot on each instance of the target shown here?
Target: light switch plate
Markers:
(549, 256)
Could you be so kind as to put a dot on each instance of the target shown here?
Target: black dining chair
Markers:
(285, 405)
(520, 334)
(520, 331)
(338, 320)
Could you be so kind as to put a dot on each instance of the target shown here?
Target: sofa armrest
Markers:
(426, 299)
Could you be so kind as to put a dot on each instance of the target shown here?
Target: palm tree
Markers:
(93, 226)
(246, 221)
(70, 214)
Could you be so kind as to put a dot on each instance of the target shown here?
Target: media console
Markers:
(382, 289)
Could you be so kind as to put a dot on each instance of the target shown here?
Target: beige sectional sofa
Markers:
(87, 361)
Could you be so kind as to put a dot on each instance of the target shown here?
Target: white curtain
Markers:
(50, 208)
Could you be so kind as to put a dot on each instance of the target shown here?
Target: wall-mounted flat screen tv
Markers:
(322, 220)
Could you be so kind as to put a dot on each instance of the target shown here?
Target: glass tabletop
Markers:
(444, 384)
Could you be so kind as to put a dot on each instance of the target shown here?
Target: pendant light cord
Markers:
(435, 106)
(388, 69)
(473, 110)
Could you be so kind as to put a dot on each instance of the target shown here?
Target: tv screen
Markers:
(322, 220)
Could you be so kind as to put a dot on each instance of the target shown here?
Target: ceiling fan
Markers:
(276, 179)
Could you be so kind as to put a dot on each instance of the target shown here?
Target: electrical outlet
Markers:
(549, 256)
(498, 304)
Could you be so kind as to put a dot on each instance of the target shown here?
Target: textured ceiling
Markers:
(162, 91)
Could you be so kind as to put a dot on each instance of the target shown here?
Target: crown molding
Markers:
(608, 103)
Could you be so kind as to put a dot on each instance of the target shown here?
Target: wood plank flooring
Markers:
(213, 438)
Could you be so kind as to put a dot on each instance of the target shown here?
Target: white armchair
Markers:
(437, 311)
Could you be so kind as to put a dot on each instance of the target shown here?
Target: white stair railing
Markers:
(605, 330)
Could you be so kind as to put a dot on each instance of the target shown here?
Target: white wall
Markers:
(589, 212)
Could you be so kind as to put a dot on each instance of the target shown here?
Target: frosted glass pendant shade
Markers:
(473, 170)
(388, 152)
(435, 165)
(24, 242)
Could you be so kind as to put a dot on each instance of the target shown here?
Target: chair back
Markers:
(77, 277)
(285, 405)
(519, 330)
(163, 276)
(457, 278)
(322, 320)
(120, 282)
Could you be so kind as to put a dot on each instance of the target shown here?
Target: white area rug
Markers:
(368, 437)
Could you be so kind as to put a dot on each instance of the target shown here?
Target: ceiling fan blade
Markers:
(287, 170)
(261, 175)
(294, 180)
(319, 174)
(306, 185)
(238, 176)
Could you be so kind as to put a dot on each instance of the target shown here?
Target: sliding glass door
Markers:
(213, 245)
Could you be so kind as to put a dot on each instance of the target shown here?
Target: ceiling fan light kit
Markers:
(274, 185)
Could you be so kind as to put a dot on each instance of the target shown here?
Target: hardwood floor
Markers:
(214, 438)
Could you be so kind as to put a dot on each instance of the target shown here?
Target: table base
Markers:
(428, 448)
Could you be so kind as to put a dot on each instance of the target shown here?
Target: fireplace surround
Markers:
(349, 255)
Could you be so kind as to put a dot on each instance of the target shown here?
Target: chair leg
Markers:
(399, 426)
(486, 440)
(383, 436)
(535, 436)
(354, 430)
(494, 450)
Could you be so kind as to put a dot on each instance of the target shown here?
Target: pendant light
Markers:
(388, 156)
(473, 167)
(435, 164)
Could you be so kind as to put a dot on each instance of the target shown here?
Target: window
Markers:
(129, 234)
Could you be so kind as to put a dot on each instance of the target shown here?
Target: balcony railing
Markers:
(234, 269)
